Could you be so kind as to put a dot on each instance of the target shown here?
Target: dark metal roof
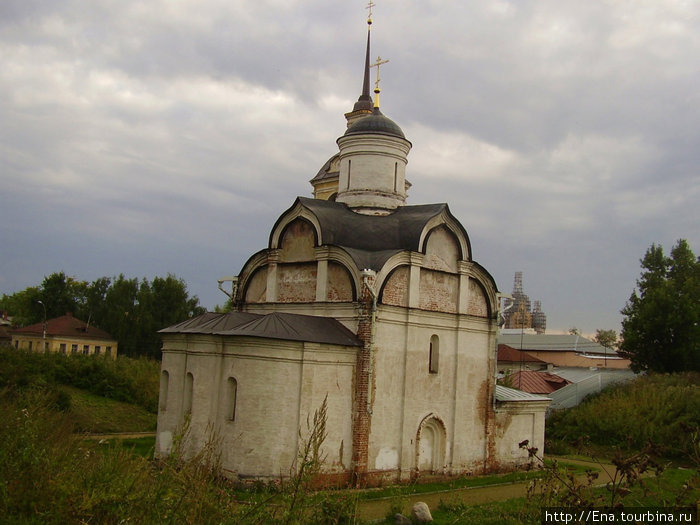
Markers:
(276, 325)
(369, 259)
(371, 239)
(210, 323)
(375, 123)
(323, 173)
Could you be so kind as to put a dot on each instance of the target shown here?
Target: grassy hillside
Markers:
(96, 414)
(124, 379)
(51, 475)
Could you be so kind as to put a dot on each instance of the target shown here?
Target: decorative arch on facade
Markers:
(340, 257)
(478, 301)
(296, 211)
(403, 258)
(394, 289)
(340, 286)
(483, 288)
(254, 289)
(431, 444)
(297, 241)
(447, 220)
(254, 267)
(442, 250)
(345, 279)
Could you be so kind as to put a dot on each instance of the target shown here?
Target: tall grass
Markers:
(49, 475)
(124, 379)
(662, 409)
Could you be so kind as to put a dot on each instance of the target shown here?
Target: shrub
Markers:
(124, 379)
(663, 409)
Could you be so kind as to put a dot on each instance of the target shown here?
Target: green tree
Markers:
(171, 302)
(62, 294)
(119, 318)
(58, 293)
(23, 306)
(606, 338)
(661, 330)
(225, 308)
(132, 311)
(95, 307)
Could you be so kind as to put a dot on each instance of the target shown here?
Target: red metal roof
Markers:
(64, 326)
(508, 354)
(536, 382)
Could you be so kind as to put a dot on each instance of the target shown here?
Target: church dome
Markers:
(375, 123)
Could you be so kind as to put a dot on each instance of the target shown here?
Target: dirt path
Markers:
(377, 510)
(120, 435)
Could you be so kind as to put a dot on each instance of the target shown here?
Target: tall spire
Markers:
(365, 101)
(364, 104)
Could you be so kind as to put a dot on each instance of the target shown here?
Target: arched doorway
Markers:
(430, 445)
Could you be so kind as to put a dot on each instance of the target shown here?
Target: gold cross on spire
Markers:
(378, 63)
(370, 5)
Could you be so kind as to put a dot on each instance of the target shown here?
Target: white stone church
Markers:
(375, 305)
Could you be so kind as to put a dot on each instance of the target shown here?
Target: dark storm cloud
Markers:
(155, 137)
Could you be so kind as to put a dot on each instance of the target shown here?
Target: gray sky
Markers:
(147, 137)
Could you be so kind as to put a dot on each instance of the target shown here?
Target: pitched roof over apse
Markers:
(277, 325)
(537, 382)
(210, 323)
(372, 239)
(64, 326)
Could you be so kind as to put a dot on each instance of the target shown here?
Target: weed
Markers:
(635, 480)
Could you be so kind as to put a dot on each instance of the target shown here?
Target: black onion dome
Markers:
(375, 123)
